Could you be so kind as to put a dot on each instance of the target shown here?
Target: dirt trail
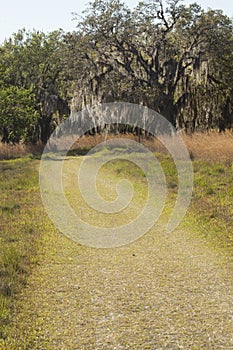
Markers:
(164, 291)
(161, 292)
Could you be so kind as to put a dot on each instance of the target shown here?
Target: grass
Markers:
(214, 146)
(24, 221)
(13, 151)
(212, 208)
(20, 230)
(211, 211)
(209, 146)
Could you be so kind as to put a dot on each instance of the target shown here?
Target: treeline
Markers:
(175, 59)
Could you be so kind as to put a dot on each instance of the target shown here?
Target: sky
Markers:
(48, 15)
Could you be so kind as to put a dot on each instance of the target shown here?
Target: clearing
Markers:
(163, 291)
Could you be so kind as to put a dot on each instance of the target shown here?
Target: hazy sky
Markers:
(48, 15)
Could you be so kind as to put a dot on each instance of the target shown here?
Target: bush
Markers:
(17, 114)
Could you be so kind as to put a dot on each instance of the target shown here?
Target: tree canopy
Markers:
(173, 58)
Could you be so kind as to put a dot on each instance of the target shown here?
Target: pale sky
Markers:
(48, 15)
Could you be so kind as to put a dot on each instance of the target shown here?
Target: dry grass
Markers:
(211, 146)
(12, 151)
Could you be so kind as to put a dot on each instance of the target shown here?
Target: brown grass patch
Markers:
(12, 151)
(211, 146)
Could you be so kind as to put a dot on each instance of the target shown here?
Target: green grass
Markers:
(20, 230)
(211, 211)
(210, 214)
(212, 206)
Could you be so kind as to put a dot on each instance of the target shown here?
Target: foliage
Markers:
(18, 115)
(161, 54)
(173, 58)
(33, 60)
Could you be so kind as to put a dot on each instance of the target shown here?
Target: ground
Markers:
(163, 291)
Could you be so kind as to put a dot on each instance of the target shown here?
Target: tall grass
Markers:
(12, 151)
(212, 145)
